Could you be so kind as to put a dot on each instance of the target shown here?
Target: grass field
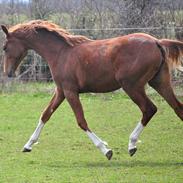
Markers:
(66, 155)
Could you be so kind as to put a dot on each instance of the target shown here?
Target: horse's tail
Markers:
(172, 51)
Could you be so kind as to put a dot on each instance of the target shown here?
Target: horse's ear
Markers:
(5, 30)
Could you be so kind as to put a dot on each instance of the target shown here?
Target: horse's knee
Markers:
(148, 114)
(47, 114)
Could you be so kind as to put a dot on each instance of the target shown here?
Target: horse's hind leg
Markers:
(137, 94)
(56, 100)
(161, 83)
(73, 99)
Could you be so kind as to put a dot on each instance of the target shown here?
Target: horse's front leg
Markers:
(73, 99)
(56, 100)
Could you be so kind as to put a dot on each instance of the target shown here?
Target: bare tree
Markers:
(41, 9)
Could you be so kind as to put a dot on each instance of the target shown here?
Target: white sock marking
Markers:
(98, 142)
(135, 135)
(34, 137)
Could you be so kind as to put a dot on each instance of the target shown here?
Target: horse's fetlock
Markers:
(133, 139)
(33, 141)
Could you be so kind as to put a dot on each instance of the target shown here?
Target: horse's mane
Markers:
(27, 29)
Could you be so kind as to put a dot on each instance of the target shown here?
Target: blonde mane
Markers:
(27, 29)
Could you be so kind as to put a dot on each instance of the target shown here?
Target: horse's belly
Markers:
(100, 86)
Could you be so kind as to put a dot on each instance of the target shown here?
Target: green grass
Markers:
(66, 155)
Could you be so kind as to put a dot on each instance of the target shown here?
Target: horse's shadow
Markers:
(115, 163)
(134, 164)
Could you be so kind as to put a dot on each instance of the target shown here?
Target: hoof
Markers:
(132, 151)
(26, 150)
(109, 154)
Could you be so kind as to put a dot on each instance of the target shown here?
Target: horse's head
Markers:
(14, 52)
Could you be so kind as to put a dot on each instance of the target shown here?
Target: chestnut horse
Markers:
(79, 65)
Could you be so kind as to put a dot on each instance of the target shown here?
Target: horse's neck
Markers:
(47, 47)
